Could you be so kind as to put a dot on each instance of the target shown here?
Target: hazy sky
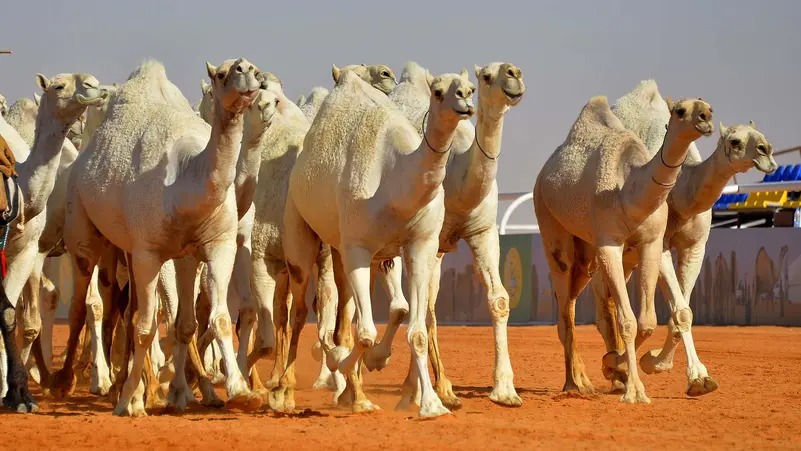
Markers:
(744, 57)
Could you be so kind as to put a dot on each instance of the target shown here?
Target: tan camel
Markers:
(471, 205)
(182, 175)
(599, 195)
(379, 76)
(698, 187)
(344, 191)
(645, 113)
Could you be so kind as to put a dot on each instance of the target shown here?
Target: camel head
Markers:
(259, 114)
(500, 84)
(746, 147)
(452, 96)
(68, 95)
(269, 80)
(690, 117)
(3, 106)
(379, 76)
(234, 84)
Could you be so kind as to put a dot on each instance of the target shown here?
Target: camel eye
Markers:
(385, 74)
(220, 75)
(437, 93)
(59, 88)
(735, 142)
(487, 77)
(681, 111)
(761, 148)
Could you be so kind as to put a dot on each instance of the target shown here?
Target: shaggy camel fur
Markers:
(380, 186)
(379, 76)
(699, 185)
(598, 196)
(183, 181)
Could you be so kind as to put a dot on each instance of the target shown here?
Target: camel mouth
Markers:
(705, 128)
(464, 113)
(93, 101)
(766, 167)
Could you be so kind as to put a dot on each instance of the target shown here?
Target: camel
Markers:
(599, 195)
(3, 105)
(471, 204)
(65, 97)
(182, 175)
(379, 76)
(644, 112)
(369, 187)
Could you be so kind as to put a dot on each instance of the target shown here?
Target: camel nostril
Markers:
(703, 116)
(239, 68)
(460, 93)
(510, 73)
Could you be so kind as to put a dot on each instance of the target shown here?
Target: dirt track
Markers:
(758, 404)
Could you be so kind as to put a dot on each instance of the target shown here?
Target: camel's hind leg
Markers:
(32, 317)
(569, 260)
(325, 304)
(48, 296)
(17, 396)
(606, 323)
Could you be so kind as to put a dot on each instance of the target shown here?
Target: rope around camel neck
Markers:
(475, 127)
(425, 138)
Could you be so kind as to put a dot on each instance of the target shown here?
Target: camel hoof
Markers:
(128, 411)
(63, 385)
(365, 407)
(247, 401)
(374, 359)
(585, 389)
(702, 386)
(635, 395)
(614, 361)
(506, 396)
(444, 390)
(317, 351)
(178, 398)
(325, 382)
(618, 387)
(100, 385)
(651, 364)
(432, 409)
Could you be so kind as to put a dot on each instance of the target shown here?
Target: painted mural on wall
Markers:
(749, 277)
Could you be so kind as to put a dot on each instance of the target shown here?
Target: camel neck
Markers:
(699, 186)
(420, 173)
(247, 167)
(37, 175)
(647, 187)
(477, 174)
(204, 183)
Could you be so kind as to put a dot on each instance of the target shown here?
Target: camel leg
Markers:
(486, 253)
(680, 325)
(168, 293)
(390, 274)
(219, 257)
(63, 380)
(568, 260)
(343, 333)
(143, 272)
(203, 344)
(265, 274)
(326, 300)
(103, 292)
(48, 297)
(31, 316)
(240, 291)
(606, 323)
(610, 262)
(17, 396)
(419, 258)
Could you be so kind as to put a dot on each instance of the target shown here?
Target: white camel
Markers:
(369, 187)
(378, 75)
(173, 198)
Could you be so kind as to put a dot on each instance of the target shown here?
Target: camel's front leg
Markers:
(32, 317)
(606, 323)
(390, 274)
(264, 276)
(17, 396)
(239, 294)
(420, 257)
(48, 297)
(486, 253)
(680, 324)
(219, 257)
(610, 263)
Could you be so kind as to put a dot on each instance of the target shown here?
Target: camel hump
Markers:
(597, 110)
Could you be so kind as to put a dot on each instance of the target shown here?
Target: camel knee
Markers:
(418, 340)
(185, 331)
(221, 326)
(95, 310)
(499, 308)
(247, 316)
(683, 319)
(628, 329)
(10, 317)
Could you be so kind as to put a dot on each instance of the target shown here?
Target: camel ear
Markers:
(670, 103)
(477, 71)
(204, 86)
(752, 124)
(42, 81)
(465, 74)
(723, 128)
(336, 72)
(37, 99)
(429, 78)
(211, 69)
(301, 100)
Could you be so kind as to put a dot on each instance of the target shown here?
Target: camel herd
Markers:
(175, 214)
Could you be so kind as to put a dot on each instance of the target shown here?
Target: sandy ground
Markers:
(758, 405)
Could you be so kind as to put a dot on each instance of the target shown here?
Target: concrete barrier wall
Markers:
(749, 277)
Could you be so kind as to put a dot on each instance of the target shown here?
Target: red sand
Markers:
(757, 406)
